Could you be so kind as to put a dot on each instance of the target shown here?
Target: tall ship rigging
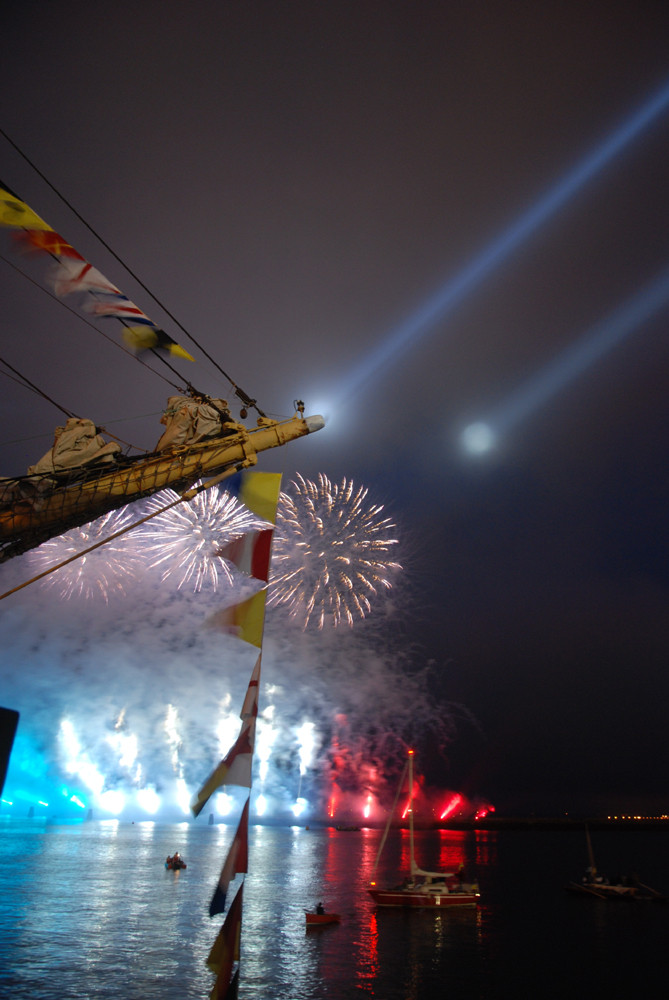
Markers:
(84, 475)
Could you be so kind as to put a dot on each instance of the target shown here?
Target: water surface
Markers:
(88, 911)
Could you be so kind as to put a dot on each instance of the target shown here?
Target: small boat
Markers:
(595, 884)
(175, 863)
(421, 888)
(321, 919)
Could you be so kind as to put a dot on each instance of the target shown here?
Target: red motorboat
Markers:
(175, 863)
(321, 919)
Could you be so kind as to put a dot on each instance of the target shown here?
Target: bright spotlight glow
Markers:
(183, 797)
(307, 744)
(299, 807)
(149, 800)
(224, 804)
(478, 438)
(112, 801)
(450, 295)
(261, 805)
(125, 745)
(76, 762)
(265, 738)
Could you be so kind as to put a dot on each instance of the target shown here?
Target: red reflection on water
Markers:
(452, 844)
(367, 967)
(485, 849)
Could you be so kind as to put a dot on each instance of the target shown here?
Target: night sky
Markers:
(294, 181)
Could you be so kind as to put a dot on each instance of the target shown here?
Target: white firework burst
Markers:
(102, 573)
(330, 554)
(189, 540)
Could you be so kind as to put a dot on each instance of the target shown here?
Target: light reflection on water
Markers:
(89, 911)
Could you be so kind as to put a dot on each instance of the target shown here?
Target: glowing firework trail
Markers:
(329, 553)
(102, 573)
(188, 539)
(173, 739)
(306, 748)
(453, 803)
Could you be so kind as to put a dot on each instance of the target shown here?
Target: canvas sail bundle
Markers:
(77, 482)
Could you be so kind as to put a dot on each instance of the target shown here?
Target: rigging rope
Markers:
(27, 384)
(83, 319)
(40, 392)
(246, 399)
(185, 496)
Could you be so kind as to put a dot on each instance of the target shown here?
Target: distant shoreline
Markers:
(494, 823)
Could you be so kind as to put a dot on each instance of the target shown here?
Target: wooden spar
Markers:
(86, 495)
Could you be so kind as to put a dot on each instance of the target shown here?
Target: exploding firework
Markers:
(330, 555)
(104, 572)
(188, 540)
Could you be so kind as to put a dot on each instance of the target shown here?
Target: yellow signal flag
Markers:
(147, 338)
(18, 215)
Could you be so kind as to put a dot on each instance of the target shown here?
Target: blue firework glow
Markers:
(331, 553)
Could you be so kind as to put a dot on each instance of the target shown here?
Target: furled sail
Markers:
(34, 508)
(82, 476)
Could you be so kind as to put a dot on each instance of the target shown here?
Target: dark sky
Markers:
(295, 179)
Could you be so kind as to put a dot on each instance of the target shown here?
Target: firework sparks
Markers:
(188, 539)
(102, 573)
(330, 552)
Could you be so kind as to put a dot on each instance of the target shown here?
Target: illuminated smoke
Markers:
(173, 738)
(186, 541)
(77, 763)
(330, 553)
(103, 573)
(150, 698)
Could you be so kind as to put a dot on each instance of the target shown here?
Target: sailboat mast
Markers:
(411, 851)
(591, 856)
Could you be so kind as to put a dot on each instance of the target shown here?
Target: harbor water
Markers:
(88, 911)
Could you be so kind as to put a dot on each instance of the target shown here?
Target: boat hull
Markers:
(424, 900)
(321, 919)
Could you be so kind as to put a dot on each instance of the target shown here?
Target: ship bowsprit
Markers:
(37, 507)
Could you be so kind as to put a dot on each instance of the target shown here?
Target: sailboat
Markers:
(421, 888)
(594, 883)
(83, 476)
